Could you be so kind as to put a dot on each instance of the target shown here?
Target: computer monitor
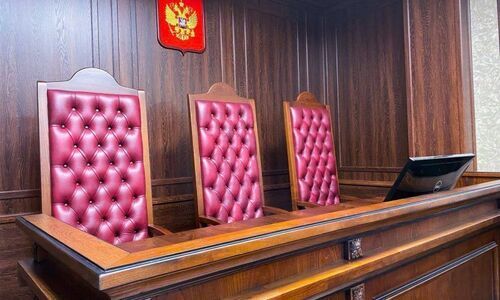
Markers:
(429, 174)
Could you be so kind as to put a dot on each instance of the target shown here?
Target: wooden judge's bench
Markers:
(438, 246)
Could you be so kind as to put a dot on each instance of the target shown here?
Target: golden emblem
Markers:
(182, 20)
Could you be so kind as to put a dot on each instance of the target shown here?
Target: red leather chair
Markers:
(95, 157)
(226, 154)
(311, 152)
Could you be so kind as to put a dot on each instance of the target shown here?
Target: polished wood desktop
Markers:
(406, 248)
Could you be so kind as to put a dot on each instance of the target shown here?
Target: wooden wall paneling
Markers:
(436, 118)
(227, 29)
(371, 88)
(272, 71)
(104, 36)
(125, 36)
(331, 80)
(316, 55)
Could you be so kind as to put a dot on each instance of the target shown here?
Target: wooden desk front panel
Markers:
(263, 278)
(467, 270)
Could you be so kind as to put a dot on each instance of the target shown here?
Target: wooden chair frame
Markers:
(304, 99)
(97, 81)
(220, 92)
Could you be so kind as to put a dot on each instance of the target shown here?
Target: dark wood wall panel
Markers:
(367, 89)
(273, 75)
(398, 81)
(439, 122)
(372, 101)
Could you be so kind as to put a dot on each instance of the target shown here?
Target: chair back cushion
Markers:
(96, 164)
(230, 173)
(314, 152)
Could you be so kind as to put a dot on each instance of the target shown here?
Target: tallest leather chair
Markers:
(94, 154)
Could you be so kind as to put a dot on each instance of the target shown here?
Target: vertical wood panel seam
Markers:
(409, 77)
(115, 45)
(324, 65)
(337, 94)
(234, 45)
(460, 99)
(136, 44)
(94, 18)
(221, 42)
(246, 48)
(307, 49)
(298, 57)
(133, 46)
(92, 32)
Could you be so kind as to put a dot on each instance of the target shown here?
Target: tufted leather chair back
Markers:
(226, 155)
(311, 152)
(94, 156)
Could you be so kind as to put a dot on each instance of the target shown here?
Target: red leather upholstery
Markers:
(314, 155)
(229, 169)
(97, 172)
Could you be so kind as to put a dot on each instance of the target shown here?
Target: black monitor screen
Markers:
(429, 174)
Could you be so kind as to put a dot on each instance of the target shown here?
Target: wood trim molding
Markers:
(386, 184)
(369, 169)
(394, 293)
(171, 181)
(189, 179)
(11, 218)
(17, 194)
(482, 174)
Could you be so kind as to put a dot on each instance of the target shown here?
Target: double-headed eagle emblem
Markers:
(182, 20)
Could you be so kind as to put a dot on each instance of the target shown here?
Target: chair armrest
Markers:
(204, 220)
(155, 230)
(269, 210)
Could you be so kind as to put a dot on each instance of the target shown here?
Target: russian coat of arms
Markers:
(181, 25)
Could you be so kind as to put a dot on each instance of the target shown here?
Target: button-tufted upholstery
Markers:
(314, 155)
(230, 173)
(96, 164)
